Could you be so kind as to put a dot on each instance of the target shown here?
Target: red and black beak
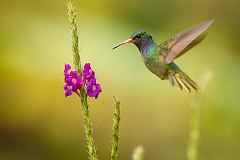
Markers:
(124, 42)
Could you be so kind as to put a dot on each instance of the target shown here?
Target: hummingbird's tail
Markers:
(182, 81)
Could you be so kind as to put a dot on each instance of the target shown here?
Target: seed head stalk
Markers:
(88, 127)
(83, 96)
(72, 16)
(115, 141)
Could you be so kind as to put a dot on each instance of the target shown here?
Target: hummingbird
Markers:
(159, 59)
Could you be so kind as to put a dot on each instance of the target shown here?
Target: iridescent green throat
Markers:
(148, 48)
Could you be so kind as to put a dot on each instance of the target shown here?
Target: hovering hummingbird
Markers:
(159, 59)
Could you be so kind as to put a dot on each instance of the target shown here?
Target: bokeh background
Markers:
(36, 120)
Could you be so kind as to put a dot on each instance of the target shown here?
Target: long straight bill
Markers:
(124, 42)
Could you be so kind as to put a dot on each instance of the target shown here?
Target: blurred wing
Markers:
(180, 41)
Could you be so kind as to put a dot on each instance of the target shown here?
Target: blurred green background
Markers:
(36, 120)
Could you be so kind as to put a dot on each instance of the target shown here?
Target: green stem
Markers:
(72, 15)
(115, 141)
(88, 127)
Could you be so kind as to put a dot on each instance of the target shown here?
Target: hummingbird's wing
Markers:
(180, 42)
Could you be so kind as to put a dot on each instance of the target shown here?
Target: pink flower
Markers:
(93, 88)
(73, 81)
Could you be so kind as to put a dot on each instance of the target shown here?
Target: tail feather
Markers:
(177, 83)
(170, 78)
(185, 84)
(182, 81)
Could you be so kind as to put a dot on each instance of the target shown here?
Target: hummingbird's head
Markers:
(137, 38)
(141, 35)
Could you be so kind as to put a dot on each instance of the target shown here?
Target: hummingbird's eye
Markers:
(138, 36)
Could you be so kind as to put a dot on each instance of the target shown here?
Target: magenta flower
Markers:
(73, 81)
(67, 69)
(93, 88)
(68, 90)
(88, 73)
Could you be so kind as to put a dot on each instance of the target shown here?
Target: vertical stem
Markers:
(115, 141)
(72, 15)
(192, 150)
(88, 127)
